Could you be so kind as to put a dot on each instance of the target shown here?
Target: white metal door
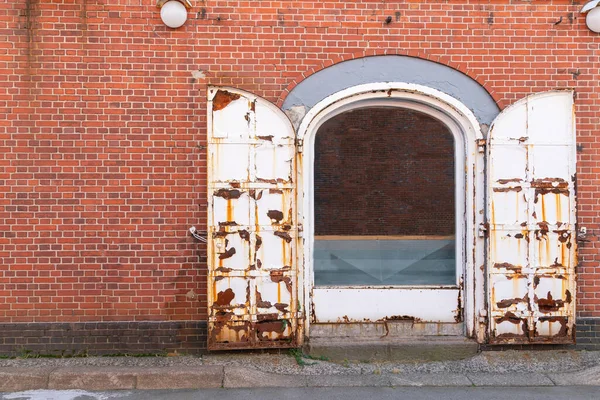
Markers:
(252, 275)
(435, 303)
(531, 212)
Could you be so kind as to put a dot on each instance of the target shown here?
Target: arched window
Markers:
(384, 199)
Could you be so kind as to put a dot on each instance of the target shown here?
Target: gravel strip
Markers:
(283, 362)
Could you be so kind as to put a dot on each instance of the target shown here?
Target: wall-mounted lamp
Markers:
(173, 13)
(592, 19)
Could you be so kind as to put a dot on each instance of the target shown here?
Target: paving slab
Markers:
(432, 350)
(18, 379)
(92, 378)
(590, 376)
(430, 379)
(348, 351)
(346, 380)
(202, 377)
(396, 350)
(239, 377)
(511, 379)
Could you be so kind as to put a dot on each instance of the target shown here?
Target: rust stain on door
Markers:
(252, 290)
(531, 244)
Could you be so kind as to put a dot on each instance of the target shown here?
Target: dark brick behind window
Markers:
(384, 171)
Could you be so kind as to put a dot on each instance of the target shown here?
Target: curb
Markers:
(110, 378)
(215, 376)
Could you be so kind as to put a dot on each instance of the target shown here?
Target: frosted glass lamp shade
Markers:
(173, 14)
(592, 20)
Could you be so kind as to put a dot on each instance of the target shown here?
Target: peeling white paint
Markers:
(531, 211)
(252, 231)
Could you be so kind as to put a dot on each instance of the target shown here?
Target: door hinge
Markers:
(481, 143)
(300, 230)
(483, 316)
(299, 145)
(483, 230)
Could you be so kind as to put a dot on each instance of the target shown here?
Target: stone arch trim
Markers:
(417, 54)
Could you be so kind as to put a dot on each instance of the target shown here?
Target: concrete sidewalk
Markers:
(243, 370)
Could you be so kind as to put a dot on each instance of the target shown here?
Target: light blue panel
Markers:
(394, 69)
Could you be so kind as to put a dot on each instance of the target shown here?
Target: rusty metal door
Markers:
(531, 212)
(252, 275)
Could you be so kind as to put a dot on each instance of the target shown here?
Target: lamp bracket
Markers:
(186, 3)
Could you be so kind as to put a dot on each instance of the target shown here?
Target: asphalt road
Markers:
(342, 393)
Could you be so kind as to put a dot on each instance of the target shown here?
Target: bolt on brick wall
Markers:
(103, 126)
(384, 171)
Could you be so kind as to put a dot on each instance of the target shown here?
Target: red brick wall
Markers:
(384, 171)
(102, 127)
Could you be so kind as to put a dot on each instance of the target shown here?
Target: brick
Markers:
(101, 173)
(92, 339)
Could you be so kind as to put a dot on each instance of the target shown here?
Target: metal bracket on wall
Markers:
(186, 3)
(197, 235)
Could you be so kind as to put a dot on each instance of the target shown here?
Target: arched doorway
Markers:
(384, 293)
(515, 223)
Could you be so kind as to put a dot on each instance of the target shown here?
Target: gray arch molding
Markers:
(393, 69)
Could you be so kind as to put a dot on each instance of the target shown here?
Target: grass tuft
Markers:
(300, 357)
